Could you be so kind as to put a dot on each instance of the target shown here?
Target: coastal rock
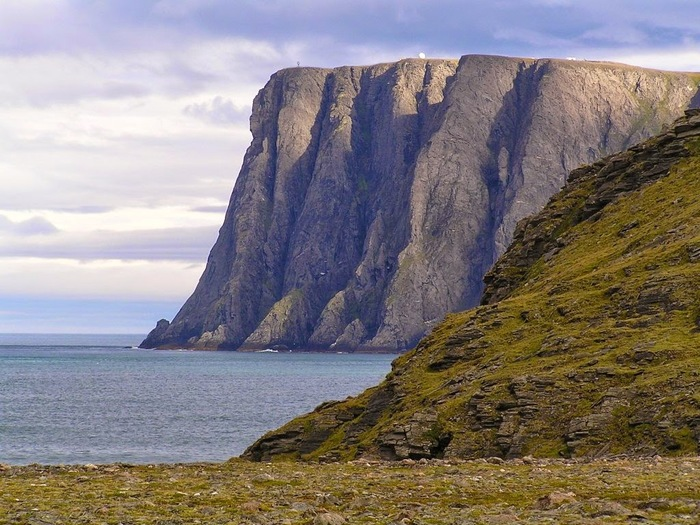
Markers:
(156, 335)
(329, 518)
(372, 200)
(353, 335)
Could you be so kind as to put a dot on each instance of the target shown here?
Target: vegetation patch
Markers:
(654, 490)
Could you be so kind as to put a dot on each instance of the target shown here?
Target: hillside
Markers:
(587, 343)
(373, 199)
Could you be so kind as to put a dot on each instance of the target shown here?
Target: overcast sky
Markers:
(123, 123)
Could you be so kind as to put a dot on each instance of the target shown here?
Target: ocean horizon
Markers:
(96, 398)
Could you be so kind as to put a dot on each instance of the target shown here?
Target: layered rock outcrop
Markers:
(372, 200)
(587, 343)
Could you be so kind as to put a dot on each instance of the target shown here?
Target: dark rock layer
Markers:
(372, 200)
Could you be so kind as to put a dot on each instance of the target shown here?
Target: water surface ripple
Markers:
(92, 399)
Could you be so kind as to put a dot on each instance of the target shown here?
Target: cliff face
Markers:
(372, 200)
(587, 343)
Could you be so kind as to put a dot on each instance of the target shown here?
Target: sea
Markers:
(78, 399)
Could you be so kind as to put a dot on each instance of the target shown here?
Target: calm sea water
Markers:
(95, 399)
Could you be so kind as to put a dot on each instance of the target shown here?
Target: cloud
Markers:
(530, 38)
(86, 210)
(553, 3)
(37, 278)
(26, 228)
(119, 27)
(219, 111)
(114, 154)
(219, 209)
(171, 244)
(617, 33)
(682, 58)
(97, 77)
(180, 8)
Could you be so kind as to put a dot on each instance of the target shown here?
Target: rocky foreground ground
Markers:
(612, 490)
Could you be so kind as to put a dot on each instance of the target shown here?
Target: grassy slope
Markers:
(596, 351)
(572, 316)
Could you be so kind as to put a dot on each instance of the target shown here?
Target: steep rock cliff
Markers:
(372, 200)
(588, 344)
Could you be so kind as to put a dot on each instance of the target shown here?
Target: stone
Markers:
(251, 507)
(607, 508)
(329, 518)
(417, 439)
(304, 508)
(554, 500)
(157, 334)
(694, 253)
(327, 499)
(656, 504)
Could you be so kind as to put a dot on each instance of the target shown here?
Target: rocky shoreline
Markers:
(490, 491)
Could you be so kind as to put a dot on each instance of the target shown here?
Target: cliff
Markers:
(372, 200)
(587, 343)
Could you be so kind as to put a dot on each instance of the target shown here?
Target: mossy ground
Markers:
(652, 490)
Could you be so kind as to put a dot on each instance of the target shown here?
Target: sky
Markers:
(123, 123)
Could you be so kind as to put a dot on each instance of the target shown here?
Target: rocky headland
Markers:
(372, 200)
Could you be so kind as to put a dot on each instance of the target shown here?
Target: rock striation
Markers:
(586, 343)
(372, 200)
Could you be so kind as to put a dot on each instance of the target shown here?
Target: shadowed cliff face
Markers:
(372, 200)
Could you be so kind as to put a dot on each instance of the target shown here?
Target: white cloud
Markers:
(233, 64)
(115, 153)
(111, 279)
(617, 33)
(219, 111)
(686, 58)
(531, 37)
(175, 233)
(553, 3)
(126, 218)
(26, 228)
(171, 244)
(108, 130)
